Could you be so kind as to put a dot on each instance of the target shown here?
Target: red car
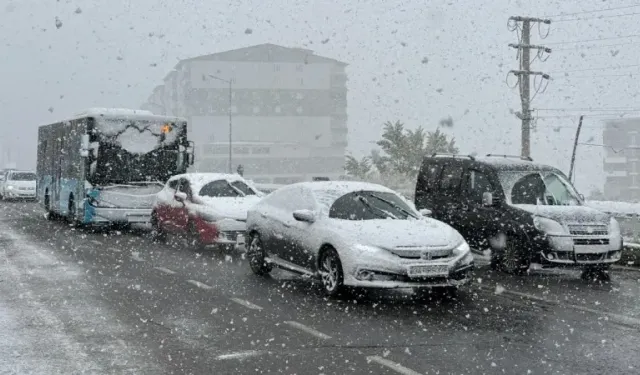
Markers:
(207, 208)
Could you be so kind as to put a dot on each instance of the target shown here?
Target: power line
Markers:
(594, 11)
(598, 17)
(601, 68)
(630, 75)
(615, 109)
(592, 46)
(596, 40)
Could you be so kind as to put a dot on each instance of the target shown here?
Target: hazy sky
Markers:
(112, 53)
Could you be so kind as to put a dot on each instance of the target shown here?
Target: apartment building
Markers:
(622, 159)
(288, 111)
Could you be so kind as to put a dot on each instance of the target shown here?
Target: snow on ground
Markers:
(613, 207)
(52, 321)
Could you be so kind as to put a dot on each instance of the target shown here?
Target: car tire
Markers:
(157, 234)
(256, 254)
(514, 260)
(331, 274)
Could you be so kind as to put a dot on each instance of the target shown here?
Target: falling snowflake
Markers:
(78, 10)
(425, 60)
(325, 41)
(58, 23)
(248, 31)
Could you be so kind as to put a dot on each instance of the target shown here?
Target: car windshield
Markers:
(543, 188)
(370, 205)
(23, 176)
(224, 188)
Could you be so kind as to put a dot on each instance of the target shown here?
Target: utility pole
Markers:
(524, 48)
(575, 146)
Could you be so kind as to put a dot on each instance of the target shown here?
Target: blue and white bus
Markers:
(105, 165)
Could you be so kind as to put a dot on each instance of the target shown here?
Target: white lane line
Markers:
(400, 369)
(629, 320)
(199, 284)
(246, 304)
(165, 270)
(96, 242)
(308, 330)
(242, 354)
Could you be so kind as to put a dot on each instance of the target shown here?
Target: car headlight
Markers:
(365, 248)
(462, 249)
(548, 226)
(9, 187)
(614, 227)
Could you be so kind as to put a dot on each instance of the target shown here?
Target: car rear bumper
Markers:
(19, 194)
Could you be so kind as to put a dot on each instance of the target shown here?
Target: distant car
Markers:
(354, 234)
(207, 208)
(18, 185)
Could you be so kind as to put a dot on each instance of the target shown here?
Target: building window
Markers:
(299, 68)
(277, 109)
(261, 150)
(276, 68)
(299, 109)
(299, 95)
(256, 109)
(234, 109)
(301, 81)
(241, 150)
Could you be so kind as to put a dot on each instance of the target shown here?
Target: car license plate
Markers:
(240, 239)
(428, 270)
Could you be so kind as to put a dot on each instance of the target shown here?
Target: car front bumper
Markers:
(383, 269)
(20, 194)
(568, 251)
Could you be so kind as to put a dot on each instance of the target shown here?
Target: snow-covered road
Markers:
(52, 321)
(75, 301)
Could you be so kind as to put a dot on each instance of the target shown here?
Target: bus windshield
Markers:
(125, 150)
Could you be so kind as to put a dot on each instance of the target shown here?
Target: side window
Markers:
(289, 199)
(428, 178)
(477, 184)
(451, 178)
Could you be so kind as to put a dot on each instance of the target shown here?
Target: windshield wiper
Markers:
(394, 205)
(376, 210)
(240, 193)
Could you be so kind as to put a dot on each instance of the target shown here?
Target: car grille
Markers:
(410, 252)
(588, 230)
(591, 241)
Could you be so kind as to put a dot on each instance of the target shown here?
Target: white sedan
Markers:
(354, 234)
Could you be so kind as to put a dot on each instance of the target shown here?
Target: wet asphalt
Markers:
(164, 308)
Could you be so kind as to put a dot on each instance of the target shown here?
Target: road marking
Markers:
(308, 330)
(165, 270)
(629, 320)
(96, 242)
(242, 354)
(625, 268)
(400, 369)
(246, 304)
(199, 284)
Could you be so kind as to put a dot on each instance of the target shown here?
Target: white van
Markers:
(18, 185)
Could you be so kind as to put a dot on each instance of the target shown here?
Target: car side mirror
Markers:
(487, 199)
(426, 212)
(307, 216)
(180, 196)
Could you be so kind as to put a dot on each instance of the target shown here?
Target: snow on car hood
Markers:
(227, 207)
(567, 214)
(389, 234)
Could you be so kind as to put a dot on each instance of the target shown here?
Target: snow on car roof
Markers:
(326, 192)
(513, 163)
(198, 180)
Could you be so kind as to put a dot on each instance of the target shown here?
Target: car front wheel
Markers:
(330, 269)
(257, 255)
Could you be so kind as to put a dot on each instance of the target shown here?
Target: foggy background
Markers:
(408, 61)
